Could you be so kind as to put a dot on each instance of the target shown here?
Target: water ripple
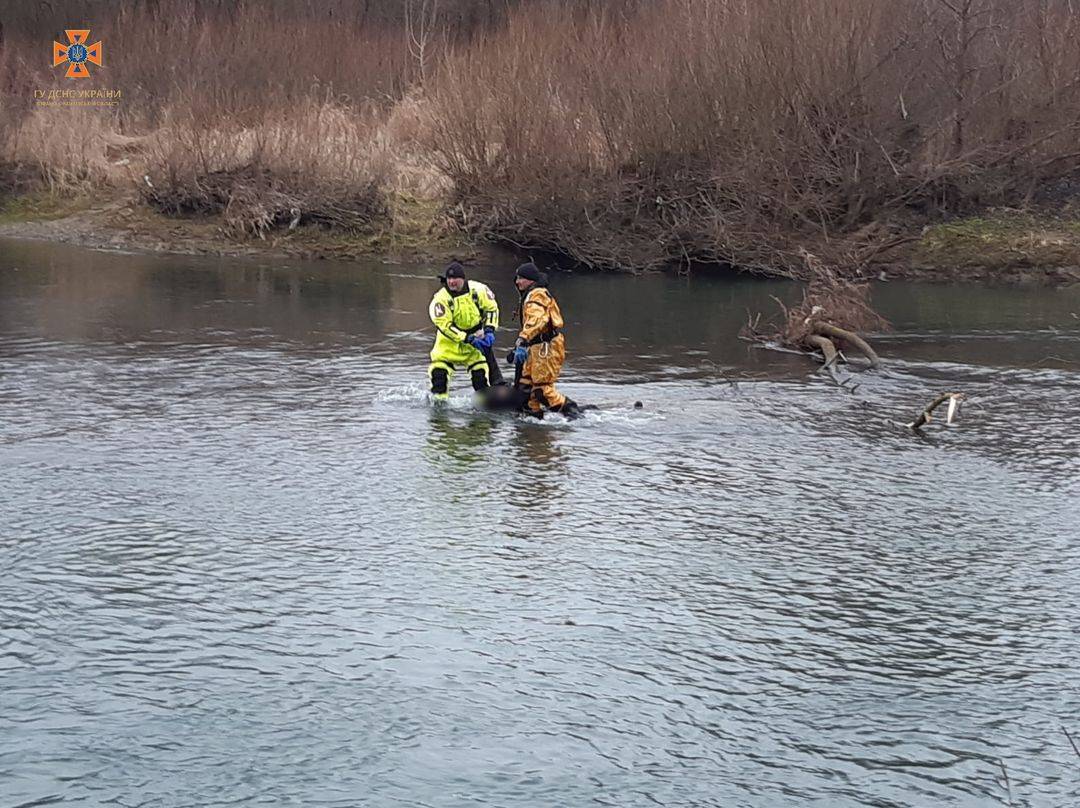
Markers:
(245, 566)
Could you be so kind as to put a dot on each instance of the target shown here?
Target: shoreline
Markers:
(125, 225)
(1001, 248)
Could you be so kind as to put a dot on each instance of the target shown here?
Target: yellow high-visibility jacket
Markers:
(471, 310)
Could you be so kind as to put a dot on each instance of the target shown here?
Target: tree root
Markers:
(822, 329)
(825, 345)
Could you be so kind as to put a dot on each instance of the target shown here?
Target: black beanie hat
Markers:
(529, 272)
(453, 270)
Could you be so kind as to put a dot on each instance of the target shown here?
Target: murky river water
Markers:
(242, 561)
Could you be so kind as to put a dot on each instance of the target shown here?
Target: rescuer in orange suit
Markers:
(540, 348)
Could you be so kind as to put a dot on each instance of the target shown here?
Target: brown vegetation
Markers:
(828, 320)
(264, 114)
(737, 131)
(314, 165)
(619, 134)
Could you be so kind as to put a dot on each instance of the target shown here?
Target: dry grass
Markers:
(621, 134)
(1003, 238)
(264, 114)
(313, 165)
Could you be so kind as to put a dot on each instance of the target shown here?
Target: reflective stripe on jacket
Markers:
(457, 316)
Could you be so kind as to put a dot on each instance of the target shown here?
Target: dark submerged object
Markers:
(506, 397)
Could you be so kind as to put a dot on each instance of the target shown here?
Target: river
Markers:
(244, 561)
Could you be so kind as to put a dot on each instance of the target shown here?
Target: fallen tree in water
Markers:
(924, 417)
(827, 322)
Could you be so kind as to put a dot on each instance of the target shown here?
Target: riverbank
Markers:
(416, 232)
(1000, 246)
(664, 135)
(1003, 246)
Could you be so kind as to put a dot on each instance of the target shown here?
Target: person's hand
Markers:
(521, 353)
(489, 335)
(475, 341)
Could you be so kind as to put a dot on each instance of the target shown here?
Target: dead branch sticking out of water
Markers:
(924, 417)
(827, 321)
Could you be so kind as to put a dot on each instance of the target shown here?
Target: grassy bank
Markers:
(38, 206)
(1001, 239)
(619, 135)
(997, 247)
(418, 231)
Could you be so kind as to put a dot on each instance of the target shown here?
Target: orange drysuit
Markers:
(541, 329)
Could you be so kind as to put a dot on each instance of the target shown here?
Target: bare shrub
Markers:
(734, 130)
(15, 103)
(213, 90)
(316, 165)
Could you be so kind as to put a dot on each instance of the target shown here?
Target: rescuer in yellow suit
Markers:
(540, 348)
(465, 315)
